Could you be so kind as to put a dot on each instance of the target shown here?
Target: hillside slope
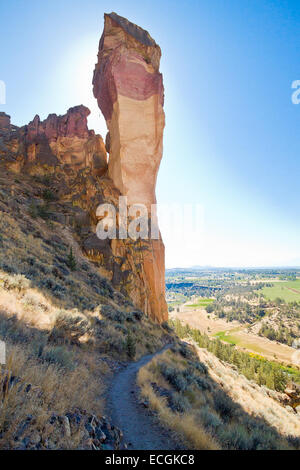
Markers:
(66, 328)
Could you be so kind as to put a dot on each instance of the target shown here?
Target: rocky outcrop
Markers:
(129, 90)
(57, 141)
(4, 121)
(72, 124)
(70, 160)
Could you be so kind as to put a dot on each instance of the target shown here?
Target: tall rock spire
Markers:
(129, 89)
(130, 94)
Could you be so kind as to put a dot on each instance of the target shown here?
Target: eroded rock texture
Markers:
(68, 162)
(130, 93)
(129, 90)
(59, 141)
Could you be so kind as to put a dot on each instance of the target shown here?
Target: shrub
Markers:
(186, 351)
(202, 383)
(294, 441)
(110, 340)
(13, 330)
(60, 356)
(200, 367)
(114, 314)
(43, 179)
(68, 328)
(209, 308)
(51, 284)
(235, 438)
(224, 405)
(138, 314)
(36, 210)
(71, 261)
(210, 420)
(179, 402)
(97, 281)
(121, 328)
(49, 196)
(174, 377)
(16, 282)
(165, 325)
(131, 346)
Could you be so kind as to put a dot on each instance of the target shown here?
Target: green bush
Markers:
(209, 419)
(131, 346)
(49, 196)
(165, 325)
(179, 402)
(36, 210)
(209, 308)
(138, 314)
(236, 438)
(116, 315)
(60, 356)
(224, 405)
(71, 261)
(174, 377)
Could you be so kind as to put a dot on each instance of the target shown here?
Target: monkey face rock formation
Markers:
(130, 94)
(129, 90)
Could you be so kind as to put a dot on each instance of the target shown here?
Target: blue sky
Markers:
(232, 136)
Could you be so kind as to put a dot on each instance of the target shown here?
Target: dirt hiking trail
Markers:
(141, 431)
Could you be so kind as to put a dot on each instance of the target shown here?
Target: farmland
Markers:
(289, 291)
(251, 309)
(201, 302)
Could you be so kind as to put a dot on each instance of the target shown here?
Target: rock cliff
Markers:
(63, 155)
(63, 141)
(130, 93)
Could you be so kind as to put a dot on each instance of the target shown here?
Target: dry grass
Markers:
(61, 353)
(57, 337)
(37, 286)
(53, 390)
(183, 424)
(254, 399)
(217, 409)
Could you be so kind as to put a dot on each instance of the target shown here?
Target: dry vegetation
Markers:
(159, 392)
(254, 399)
(64, 325)
(66, 328)
(190, 397)
(37, 390)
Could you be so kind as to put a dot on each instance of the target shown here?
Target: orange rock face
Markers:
(129, 90)
(63, 141)
(62, 154)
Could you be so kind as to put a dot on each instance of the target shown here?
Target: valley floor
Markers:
(235, 333)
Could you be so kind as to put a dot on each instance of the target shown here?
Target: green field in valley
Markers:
(286, 290)
(257, 352)
(224, 336)
(201, 302)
